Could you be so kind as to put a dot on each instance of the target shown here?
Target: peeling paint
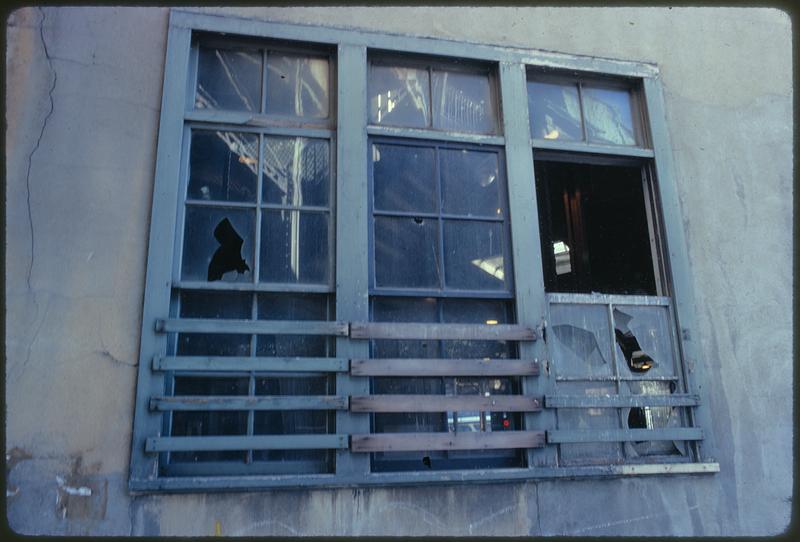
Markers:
(69, 490)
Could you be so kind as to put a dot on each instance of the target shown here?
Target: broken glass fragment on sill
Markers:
(228, 257)
(638, 361)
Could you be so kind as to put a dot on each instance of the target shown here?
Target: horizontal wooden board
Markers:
(265, 327)
(465, 332)
(443, 367)
(623, 435)
(619, 401)
(284, 402)
(409, 442)
(265, 442)
(443, 403)
(271, 364)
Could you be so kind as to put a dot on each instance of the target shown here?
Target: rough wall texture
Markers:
(83, 97)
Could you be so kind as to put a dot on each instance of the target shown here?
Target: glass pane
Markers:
(474, 255)
(463, 102)
(555, 112)
(470, 183)
(476, 311)
(296, 171)
(404, 178)
(406, 252)
(394, 309)
(294, 247)
(588, 418)
(608, 116)
(653, 418)
(581, 344)
(399, 96)
(218, 244)
(293, 307)
(222, 166)
(202, 304)
(297, 85)
(213, 344)
(229, 79)
(643, 341)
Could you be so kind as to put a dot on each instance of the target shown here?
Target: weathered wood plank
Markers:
(276, 364)
(266, 327)
(409, 442)
(266, 402)
(443, 403)
(266, 442)
(466, 332)
(623, 435)
(619, 401)
(443, 367)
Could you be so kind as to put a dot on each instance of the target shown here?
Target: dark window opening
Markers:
(594, 229)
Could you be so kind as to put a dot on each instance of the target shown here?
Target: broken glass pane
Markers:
(294, 247)
(297, 85)
(399, 96)
(580, 343)
(229, 79)
(404, 178)
(588, 418)
(463, 102)
(293, 307)
(470, 183)
(650, 417)
(555, 112)
(223, 166)
(218, 244)
(643, 341)
(296, 171)
(406, 252)
(608, 116)
(474, 256)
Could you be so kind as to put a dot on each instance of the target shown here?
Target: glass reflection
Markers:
(296, 171)
(470, 183)
(463, 102)
(555, 111)
(399, 96)
(297, 85)
(294, 247)
(229, 79)
(608, 116)
(222, 166)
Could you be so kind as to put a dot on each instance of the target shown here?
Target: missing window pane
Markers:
(595, 231)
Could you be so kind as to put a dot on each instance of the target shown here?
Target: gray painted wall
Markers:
(82, 108)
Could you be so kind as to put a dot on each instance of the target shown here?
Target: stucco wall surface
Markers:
(82, 110)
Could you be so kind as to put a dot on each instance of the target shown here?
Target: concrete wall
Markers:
(82, 109)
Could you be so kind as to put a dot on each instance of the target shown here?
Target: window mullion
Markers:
(526, 255)
(352, 224)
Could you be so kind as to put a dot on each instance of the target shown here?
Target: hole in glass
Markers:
(228, 257)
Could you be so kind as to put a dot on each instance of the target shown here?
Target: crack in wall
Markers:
(38, 143)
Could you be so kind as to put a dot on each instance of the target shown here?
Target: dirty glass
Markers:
(588, 419)
(404, 178)
(470, 183)
(608, 114)
(190, 424)
(297, 85)
(223, 166)
(218, 244)
(199, 304)
(273, 306)
(643, 341)
(229, 79)
(463, 102)
(399, 96)
(296, 171)
(650, 417)
(294, 247)
(477, 311)
(581, 340)
(406, 252)
(474, 257)
(555, 111)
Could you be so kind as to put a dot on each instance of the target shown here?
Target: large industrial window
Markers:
(375, 261)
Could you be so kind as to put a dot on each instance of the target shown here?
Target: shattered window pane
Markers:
(404, 178)
(643, 341)
(294, 247)
(588, 418)
(608, 116)
(581, 341)
(650, 417)
(229, 79)
(223, 166)
(555, 111)
(297, 85)
(218, 244)
(399, 96)
(463, 102)
(296, 171)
